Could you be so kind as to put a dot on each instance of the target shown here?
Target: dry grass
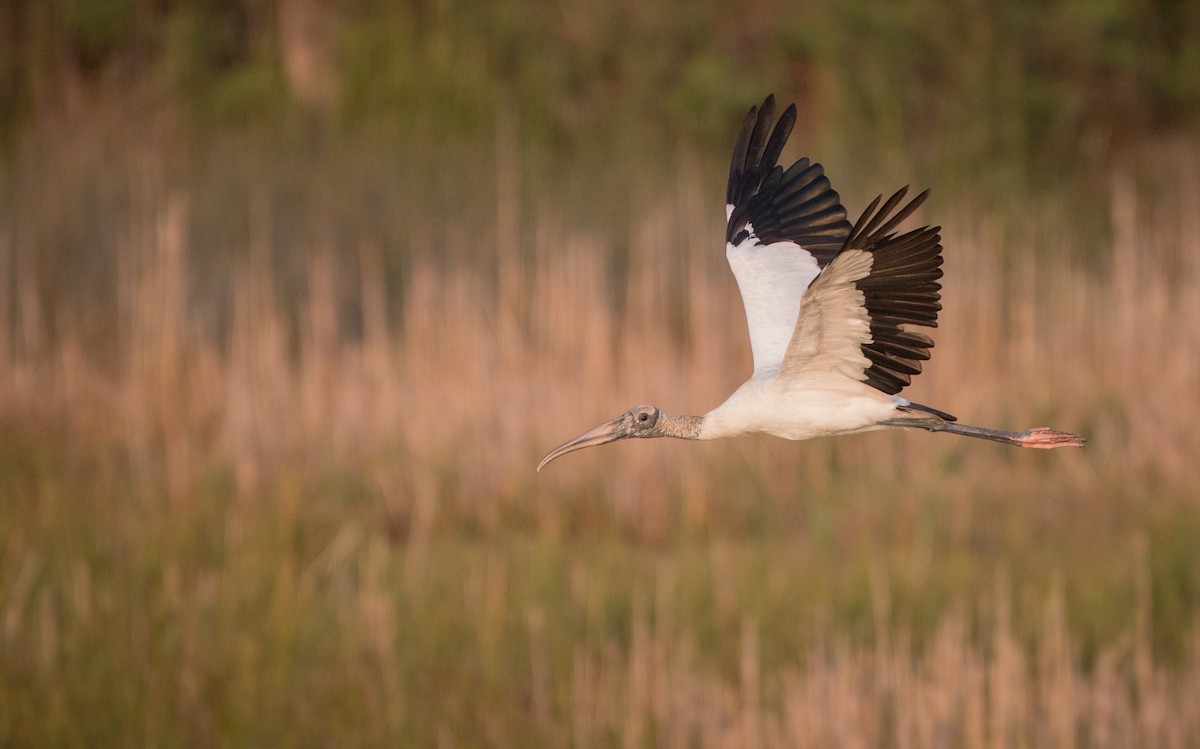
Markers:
(954, 691)
(262, 524)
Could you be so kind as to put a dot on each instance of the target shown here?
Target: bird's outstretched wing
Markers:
(854, 315)
(783, 227)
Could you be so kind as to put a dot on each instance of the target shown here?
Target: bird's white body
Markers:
(798, 409)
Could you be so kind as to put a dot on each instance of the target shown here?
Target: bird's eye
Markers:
(643, 417)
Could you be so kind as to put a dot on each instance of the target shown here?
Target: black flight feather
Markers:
(797, 204)
(902, 289)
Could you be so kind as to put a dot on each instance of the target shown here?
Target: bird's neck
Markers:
(681, 427)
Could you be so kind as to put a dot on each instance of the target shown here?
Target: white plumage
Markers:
(772, 279)
(831, 310)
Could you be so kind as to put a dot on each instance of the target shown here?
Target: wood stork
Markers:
(829, 307)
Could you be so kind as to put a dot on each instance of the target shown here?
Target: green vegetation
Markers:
(292, 301)
(1019, 92)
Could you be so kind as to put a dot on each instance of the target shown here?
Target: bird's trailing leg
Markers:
(1043, 438)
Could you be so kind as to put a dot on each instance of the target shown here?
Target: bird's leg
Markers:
(1041, 438)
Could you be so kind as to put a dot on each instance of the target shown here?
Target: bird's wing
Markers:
(783, 227)
(854, 317)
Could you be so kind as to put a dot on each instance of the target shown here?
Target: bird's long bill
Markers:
(610, 431)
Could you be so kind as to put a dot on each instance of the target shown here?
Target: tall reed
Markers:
(252, 504)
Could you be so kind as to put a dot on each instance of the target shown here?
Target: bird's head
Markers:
(639, 421)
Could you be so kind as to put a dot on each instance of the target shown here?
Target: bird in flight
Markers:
(830, 307)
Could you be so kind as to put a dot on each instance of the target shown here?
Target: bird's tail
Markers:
(910, 406)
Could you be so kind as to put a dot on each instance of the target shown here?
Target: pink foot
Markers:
(1045, 438)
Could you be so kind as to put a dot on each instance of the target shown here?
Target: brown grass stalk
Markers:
(438, 411)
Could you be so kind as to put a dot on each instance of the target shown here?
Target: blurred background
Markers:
(294, 294)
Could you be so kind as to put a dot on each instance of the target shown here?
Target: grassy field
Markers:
(272, 394)
(247, 521)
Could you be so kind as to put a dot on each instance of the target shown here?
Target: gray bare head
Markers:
(639, 421)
